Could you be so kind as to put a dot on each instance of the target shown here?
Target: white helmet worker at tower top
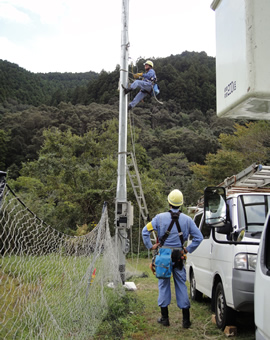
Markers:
(149, 62)
(145, 83)
(175, 198)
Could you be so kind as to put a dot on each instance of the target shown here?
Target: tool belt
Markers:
(177, 260)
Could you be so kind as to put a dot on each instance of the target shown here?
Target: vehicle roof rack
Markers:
(254, 178)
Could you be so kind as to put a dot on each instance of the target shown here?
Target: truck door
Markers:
(202, 259)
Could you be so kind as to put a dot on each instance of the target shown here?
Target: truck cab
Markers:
(223, 266)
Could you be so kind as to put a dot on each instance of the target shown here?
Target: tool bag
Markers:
(162, 262)
(156, 90)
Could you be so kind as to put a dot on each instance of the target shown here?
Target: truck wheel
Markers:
(195, 295)
(224, 314)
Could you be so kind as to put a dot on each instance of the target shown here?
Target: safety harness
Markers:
(175, 219)
(153, 82)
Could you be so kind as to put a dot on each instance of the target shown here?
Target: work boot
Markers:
(186, 320)
(126, 90)
(129, 107)
(164, 320)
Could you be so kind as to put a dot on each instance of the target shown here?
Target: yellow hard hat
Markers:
(149, 62)
(175, 198)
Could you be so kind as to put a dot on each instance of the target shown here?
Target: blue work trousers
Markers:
(164, 286)
(143, 85)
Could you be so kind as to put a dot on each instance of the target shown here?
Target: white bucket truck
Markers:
(231, 218)
(242, 58)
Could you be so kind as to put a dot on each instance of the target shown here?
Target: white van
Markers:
(223, 266)
(262, 286)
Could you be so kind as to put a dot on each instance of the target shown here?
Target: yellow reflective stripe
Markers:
(149, 226)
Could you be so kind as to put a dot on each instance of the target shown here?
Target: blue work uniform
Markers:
(145, 85)
(160, 223)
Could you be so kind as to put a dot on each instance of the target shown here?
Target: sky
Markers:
(85, 35)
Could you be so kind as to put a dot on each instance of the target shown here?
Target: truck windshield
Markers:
(252, 211)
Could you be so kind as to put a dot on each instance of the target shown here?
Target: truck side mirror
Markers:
(215, 209)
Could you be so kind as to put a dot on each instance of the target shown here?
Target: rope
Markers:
(139, 240)
(155, 96)
(131, 244)
(132, 133)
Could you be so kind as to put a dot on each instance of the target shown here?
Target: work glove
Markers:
(137, 75)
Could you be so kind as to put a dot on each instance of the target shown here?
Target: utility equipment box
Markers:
(242, 58)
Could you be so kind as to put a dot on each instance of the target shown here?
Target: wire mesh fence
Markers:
(52, 286)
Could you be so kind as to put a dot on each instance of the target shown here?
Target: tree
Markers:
(176, 172)
(4, 141)
(67, 185)
(195, 142)
(217, 167)
(249, 144)
(251, 139)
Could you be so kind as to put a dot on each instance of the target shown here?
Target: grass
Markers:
(36, 292)
(139, 320)
(134, 316)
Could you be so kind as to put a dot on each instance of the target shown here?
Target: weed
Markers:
(117, 320)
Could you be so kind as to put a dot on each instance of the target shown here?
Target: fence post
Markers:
(2, 184)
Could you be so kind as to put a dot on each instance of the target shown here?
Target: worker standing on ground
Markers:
(172, 240)
(146, 84)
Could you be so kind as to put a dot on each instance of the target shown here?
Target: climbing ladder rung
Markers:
(137, 187)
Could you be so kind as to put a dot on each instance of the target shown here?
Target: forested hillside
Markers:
(20, 86)
(59, 138)
(188, 79)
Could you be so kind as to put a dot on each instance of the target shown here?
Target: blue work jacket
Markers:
(150, 75)
(161, 222)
